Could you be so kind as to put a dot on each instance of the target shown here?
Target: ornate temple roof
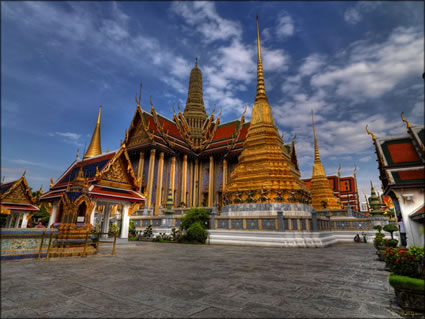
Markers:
(401, 158)
(17, 196)
(108, 175)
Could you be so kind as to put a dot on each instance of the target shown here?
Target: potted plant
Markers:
(391, 228)
(407, 277)
(379, 243)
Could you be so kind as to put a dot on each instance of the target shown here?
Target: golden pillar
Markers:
(191, 182)
(173, 175)
(224, 174)
(159, 183)
(184, 181)
(150, 177)
(140, 169)
(200, 185)
(195, 184)
(211, 183)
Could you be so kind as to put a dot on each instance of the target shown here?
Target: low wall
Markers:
(22, 243)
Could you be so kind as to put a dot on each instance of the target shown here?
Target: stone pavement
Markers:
(177, 280)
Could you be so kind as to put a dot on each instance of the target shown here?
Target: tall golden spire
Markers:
(194, 112)
(322, 195)
(264, 172)
(95, 148)
(261, 90)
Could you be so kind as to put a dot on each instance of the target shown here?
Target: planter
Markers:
(410, 292)
(381, 255)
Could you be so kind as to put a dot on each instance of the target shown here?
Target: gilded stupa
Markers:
(322, 195)
(265, 172)
(194, 112)
(94, 148)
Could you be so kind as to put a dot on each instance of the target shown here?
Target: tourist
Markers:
(402, 232)
(40, 225)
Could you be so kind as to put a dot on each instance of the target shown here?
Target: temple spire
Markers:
(316, 146)
(261, 90)
(95, 148)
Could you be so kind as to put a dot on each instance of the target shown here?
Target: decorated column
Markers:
(224, 174)
(211, 183)
(184, 180)
(92, 216)
(140, 169)
(125, 221)
(25, 220)
(173, 176)
(150, 177)
(196, 184)
(18, 218)
(53, 214)
(159, 183)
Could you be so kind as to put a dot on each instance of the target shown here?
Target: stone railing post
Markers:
(314, 222)
(280, 221)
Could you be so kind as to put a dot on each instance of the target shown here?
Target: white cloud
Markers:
(274, 60)
(203, 16)
(352, 16)
(374, 69)
(69, 137)
(285, 25)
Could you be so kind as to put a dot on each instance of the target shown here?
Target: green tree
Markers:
(42, 214)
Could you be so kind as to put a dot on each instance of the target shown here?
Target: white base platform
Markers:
(284, 239)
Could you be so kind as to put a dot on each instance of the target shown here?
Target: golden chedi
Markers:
(94, 148)
(322, 195)
(264, 173)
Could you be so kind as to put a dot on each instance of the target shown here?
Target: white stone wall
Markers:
(410, 200)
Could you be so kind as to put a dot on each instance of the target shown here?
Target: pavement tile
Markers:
(214, 312)
(19, 313)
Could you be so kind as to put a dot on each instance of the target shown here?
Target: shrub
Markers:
(390, 228)
(405, 282)
(148, 232)
(403, 262)
(176, 235)
(196, 233)
(378, 228)
(195, 215)
(390, 243)
(132, 229)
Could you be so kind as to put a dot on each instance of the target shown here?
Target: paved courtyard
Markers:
(176, 280)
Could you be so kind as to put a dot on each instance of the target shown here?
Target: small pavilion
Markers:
(95, 190)
(17, 203)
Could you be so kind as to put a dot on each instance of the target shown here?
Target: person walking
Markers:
(402, 232)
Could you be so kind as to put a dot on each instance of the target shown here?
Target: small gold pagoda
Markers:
(322, 195)
(265, 172)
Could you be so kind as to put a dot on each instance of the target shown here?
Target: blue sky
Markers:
(353, 63)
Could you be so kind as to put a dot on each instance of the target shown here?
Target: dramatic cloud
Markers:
(202, 15)
(354, 14)
(373, 69)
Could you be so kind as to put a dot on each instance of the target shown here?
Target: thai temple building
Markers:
(401, 164)
(17, 203)
(241, 171)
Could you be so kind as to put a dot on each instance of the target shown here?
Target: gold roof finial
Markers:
(405, 121)
(316, 147)
(355, 172)
(78, 155)
(140, 95)
(261, 90)
(196, 61)
(51, 182)
(25, 171)
(95, 148)
(370, 133)
(339, 170)
(40, 191)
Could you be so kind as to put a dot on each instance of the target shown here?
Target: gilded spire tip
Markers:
(95, 148)
(316, 147)
(261, 90)
(404, 120)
